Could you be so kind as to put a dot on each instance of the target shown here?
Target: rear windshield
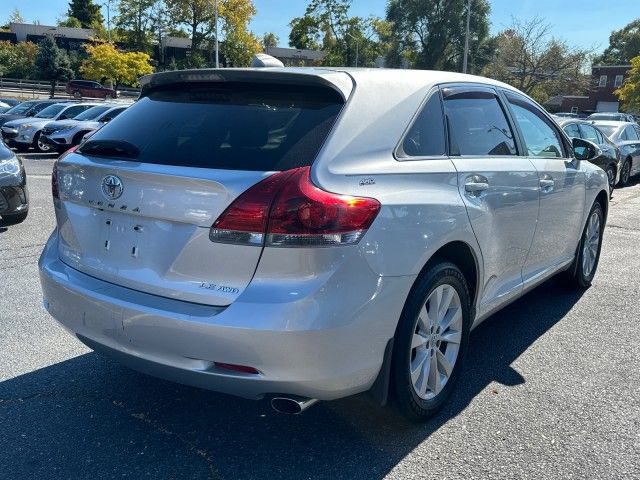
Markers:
(236, 126)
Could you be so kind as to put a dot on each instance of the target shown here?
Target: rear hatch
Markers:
(137, 201)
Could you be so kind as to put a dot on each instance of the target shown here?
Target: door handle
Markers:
(547, 184)
(476, 184)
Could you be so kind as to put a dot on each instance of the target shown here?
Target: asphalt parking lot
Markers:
(551, 390)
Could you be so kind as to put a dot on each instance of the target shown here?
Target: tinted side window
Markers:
(637, 129)
(111, 115)
(476, 124)
(40, 106)
(589, 133)
(572, 130)
(540, 137)
(73, 111)
(426, 135)
(631, 133)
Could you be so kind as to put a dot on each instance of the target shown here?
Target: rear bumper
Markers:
(316, 347)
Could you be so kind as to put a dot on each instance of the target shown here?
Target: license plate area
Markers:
(122, 237)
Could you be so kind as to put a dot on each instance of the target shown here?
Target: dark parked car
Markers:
(87, 88)
(26, 109)
(610, 159)
(14, 197)
(626, 136)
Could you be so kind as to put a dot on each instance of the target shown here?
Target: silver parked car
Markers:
(65, 134)
(309, 234)
(27, 132)
(626, 136)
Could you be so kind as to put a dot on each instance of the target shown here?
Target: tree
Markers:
(624, 44)
(270, 39)
(105, 62)
(134, 22)
(197, 15)
(326, 24)
(18, 60)
(629, 93)
(72, 22)
(240, 45)
(87, 12)
(539, 65)
(16, 16)
(430, 34)
(52, 63)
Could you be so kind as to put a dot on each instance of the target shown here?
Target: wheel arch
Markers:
(603, 199)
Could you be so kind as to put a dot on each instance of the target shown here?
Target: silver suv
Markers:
(308, 234)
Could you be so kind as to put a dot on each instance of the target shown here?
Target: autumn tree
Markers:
(629, 93)
(430, 34)
(107, 62)
(87, 12)
(527, 57)
(624, 44)
(52, 63)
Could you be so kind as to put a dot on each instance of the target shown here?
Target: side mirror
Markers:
(584, 149)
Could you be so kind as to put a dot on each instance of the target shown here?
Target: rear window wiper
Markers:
(110, 148)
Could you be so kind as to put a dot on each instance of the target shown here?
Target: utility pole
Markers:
(108, 5)
(466, 39)
(216, 30)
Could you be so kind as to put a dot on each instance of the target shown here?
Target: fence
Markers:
(36, 88)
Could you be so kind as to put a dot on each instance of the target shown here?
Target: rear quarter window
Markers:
(236, 126)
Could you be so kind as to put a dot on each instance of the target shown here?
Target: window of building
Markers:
(603, 81)
(618, 81)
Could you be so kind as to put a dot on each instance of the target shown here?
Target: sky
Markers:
(587, 26)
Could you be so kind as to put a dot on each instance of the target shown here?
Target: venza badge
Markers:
(111, 187)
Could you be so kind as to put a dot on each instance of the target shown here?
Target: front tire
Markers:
(39, 145)
(431, 341)
(586, 262)
(611, 176)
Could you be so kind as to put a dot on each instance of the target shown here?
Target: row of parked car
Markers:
(54, 125)
(618, 142)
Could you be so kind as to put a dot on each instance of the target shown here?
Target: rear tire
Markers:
(431, 341)
(625, 173)
(586, 262)
(77, 95)
(611, 176)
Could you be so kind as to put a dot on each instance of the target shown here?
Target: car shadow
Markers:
(90, 417)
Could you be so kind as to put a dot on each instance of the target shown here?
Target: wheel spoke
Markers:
(434, 375)
(451, 336)
(445, 301)
(444, 364)
(417, 341)
(453, 317)
(417, 366)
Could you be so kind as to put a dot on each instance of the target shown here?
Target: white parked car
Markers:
(309, 234)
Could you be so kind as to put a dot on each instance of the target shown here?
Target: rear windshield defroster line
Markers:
(234, 126)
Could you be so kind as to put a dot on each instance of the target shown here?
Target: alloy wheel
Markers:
(436, 341)
(626, 172)
(42, 146)
(590, 244)
(611, 176)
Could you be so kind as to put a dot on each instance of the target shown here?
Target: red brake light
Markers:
(292, 211)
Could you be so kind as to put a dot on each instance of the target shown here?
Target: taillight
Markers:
(288, 210)
(55, 191)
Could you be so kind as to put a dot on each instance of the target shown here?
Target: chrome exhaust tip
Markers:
(292, 405)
